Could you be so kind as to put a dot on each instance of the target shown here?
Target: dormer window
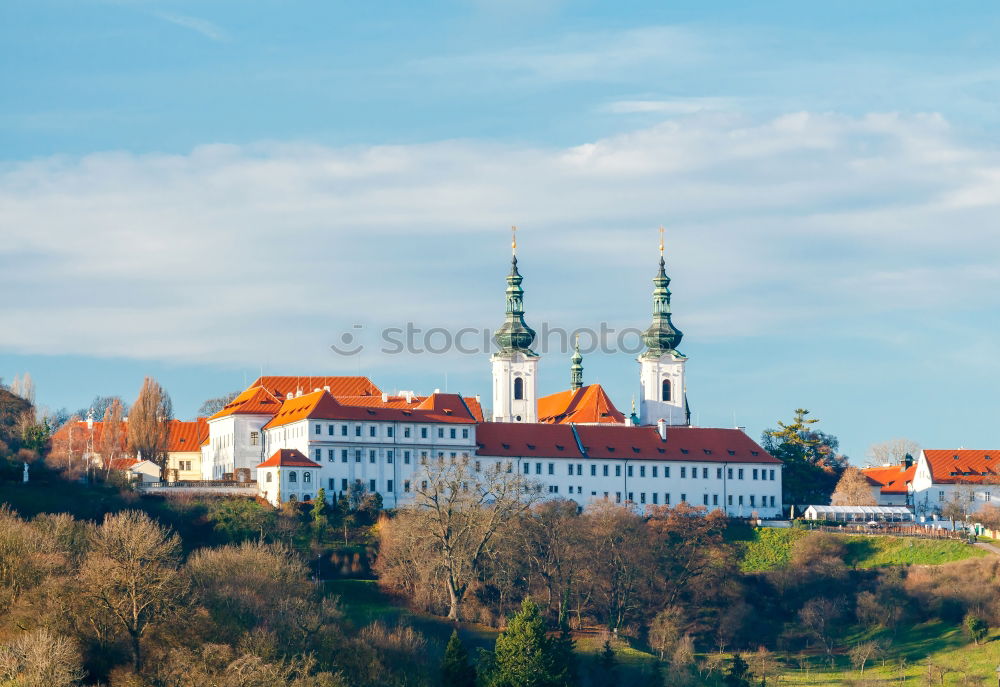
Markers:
(684, 451)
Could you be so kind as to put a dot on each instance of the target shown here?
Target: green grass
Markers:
(767, 548)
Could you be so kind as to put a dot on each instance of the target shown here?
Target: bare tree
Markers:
(149, 423)
(112, 442)
(893, 451)
(819, 617)
(214, 405)
(665, 630)
(24, 387)
(132, 573)
(40, 659)
(956, 508)
(853, 489)
(461, 509)
(863, 652)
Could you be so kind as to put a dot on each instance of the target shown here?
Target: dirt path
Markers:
(989, 547)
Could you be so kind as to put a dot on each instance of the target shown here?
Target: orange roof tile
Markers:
(288, 458)
(281, 386)
(187, 436)
(320, 405)
(892, 479)
(254, 401)
(950, 466)
(604, 442)
(587, 405)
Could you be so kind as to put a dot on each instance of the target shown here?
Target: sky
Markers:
(204, 191)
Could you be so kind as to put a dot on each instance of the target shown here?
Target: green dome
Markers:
(514, 334)
(661, 336)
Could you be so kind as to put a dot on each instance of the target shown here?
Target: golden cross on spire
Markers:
(513, 240)
(661, 240)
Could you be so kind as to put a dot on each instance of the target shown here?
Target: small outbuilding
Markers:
(859, 513)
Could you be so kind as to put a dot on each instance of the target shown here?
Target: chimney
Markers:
(298, 392)
(661, 427)
(385, 397)
(90, 419)
(437, 391)
(289, 396)
(326, 389)
(316, 389)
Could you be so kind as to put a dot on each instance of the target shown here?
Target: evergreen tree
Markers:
(812, 464)
(456, 671)
(525, 656)
(320, 509)
(738, 674)
(565, 658)
(607, 667)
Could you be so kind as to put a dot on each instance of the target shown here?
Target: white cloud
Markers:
(239, 254)
(202, 26)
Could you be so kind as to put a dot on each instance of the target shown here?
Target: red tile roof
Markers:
(187, 436)
(516, 439)
(288, 458)
(281, 386)
(587, 405)
(950, 466)
(254, 401)
(891, 479)
(320, 405)
(604, 442)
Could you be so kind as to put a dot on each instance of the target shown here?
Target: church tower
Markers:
(576, 367)
(515, 365)
(663, 387)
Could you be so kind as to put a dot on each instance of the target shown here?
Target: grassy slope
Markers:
(768, 548)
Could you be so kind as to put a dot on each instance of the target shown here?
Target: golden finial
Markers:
(661, 240)
(513, 240)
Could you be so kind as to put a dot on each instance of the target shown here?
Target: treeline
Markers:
(669, 579)
(120, 603)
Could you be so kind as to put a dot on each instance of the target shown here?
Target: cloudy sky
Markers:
(204, 190)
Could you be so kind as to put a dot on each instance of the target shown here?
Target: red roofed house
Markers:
(891, 484)
(288, 476)
(184, 449)
(972, 474)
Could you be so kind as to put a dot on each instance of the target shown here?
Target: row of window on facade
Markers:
(577, 469)
(987, 496)
(390, 455)
(389, 432)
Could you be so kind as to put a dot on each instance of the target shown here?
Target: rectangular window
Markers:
(329, 430)
(772, 475)
(388, 458)
(618, 497)
(666, 471)
(440, 432)
(684, 498)
(423, 485)
(618, 471)
(718, 473)
(628, 470)
(570, 469)
(656, 498)
(579, 469)
(631, 497)
(741, 500)
(371, 456)
(683, 472)
(552, 468)
(357, 455)
(538, 468)
(752, 500)
(451, 433)
(666, 498)
(715, 499)
(343, 484)
(388, 485)
(704, 473)
(406, 457)
(739, 473)
(373, 431)
(319, 453)
(704, 499)
(604, 469)
(423, 432)
(478, 466)
(527, 468)
(357, 430)
(343, 430)
(254, 438)
(772, 502)
(729, 474)
(593, 471)
(388, 433)
(319, 429)
(642, 471)
(642, 497)
(331, 455)
(940, 496)
(406, 486)
(755, 473)
(331, 482)
(465, 433)
(655, 470)
(406, 432)
(343, 455)
(371, 486)
(730, 499)
(423, 457)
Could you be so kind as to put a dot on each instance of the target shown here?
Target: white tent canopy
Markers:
(859, 513)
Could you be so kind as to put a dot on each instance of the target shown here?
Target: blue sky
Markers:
(201, 190)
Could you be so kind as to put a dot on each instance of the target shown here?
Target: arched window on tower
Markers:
(518, 389)
(666, 390)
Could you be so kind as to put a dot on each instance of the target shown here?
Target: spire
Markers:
(514, 334)
(661, 336)
(633, 418)
(576, 368)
